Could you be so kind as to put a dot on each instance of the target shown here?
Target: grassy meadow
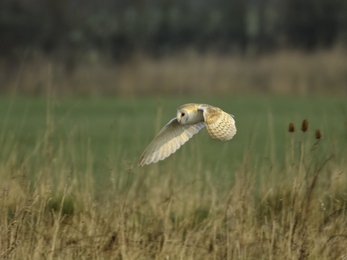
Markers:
(70, 186)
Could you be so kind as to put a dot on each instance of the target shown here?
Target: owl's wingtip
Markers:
(141, 163)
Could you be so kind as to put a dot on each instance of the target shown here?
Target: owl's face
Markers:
(182, 116)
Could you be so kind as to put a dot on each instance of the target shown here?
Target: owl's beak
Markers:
(179, 117)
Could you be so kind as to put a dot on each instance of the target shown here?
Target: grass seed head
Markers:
(304, 125)
(318, 134)
(291, 128)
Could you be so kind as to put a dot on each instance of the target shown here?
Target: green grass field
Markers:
(70, 186)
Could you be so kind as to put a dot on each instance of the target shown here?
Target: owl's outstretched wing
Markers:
(168, 140)
(220, 125)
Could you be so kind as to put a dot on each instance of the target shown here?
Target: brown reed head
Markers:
(318, 134)
(291, 128)
(304, 125)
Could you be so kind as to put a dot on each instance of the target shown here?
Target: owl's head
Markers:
(182, 116)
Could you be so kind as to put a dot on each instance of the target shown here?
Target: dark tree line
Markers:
(157, 27)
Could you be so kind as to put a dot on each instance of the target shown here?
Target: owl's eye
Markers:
(182, 114)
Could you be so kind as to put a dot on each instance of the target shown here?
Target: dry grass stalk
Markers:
(141, 225)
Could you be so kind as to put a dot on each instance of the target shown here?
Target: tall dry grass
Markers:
(172, 211)
(281, 73)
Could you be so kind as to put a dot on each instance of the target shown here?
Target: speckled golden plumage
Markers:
(221, 126)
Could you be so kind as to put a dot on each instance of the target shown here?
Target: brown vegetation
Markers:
(283, 73)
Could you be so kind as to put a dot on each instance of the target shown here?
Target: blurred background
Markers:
(166, 47)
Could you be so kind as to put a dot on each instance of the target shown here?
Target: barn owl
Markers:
(190, 119)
